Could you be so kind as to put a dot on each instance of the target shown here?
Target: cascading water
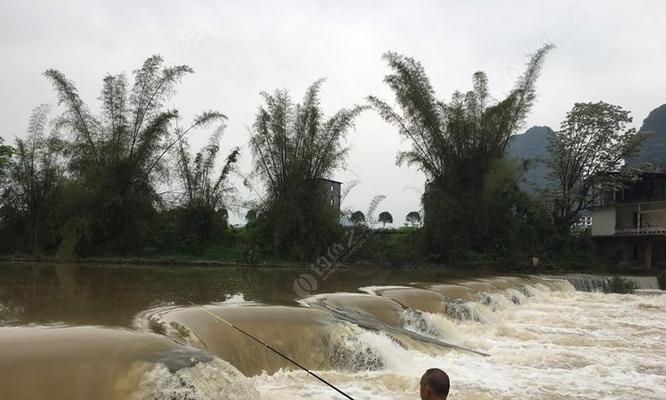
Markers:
(544, 339)
(556, 344)
(104, 363)
(596, 283)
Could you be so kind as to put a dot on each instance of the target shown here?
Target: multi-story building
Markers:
(630, 224)
(332, 192)
(584, 220)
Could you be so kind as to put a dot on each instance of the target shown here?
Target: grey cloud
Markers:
(606, 50)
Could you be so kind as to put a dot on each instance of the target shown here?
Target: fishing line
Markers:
(322, 380)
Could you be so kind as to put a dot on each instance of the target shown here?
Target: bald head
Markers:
(434, 384)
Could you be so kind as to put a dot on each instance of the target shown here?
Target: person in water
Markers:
(434, 385)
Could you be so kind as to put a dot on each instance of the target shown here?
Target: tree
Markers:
(456, 144)
(5, 157)
(357, 217)
(118, 157)
(385, 218)
(35, 175)
(586, 158)
(294, 147)
(251, 216)
(203, 213)
(413, 218)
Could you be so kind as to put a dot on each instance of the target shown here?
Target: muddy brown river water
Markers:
(130, 332)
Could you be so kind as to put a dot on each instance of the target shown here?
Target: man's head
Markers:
(434, 385)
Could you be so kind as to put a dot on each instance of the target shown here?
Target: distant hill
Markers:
(532, 147)
(653, 150)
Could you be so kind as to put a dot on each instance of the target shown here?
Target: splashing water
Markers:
(556, 345)
(545, 339)
(215, 379)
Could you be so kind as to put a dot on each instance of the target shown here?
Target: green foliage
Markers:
(394, 248)
(5, 157)
(593, 141)
(118, 157)
(251, 216)
(5, 160)
(357, 217)
(457, 144)
(202, 215)
(294, 147)
(413, 218)
(91, 186)
(385, 217)
(35, 175)
(463, 136)
(621, 285)
(73, 219)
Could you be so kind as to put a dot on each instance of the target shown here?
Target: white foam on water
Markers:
(558, 344)
(349, 351)
(429, 324)
(515, 296)
(600, 283)
(215, 379)
(472, 311)
(495, 301)
(236, 298)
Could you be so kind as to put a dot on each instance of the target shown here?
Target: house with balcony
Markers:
(630, 224)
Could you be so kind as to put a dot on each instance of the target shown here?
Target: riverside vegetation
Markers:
(123, 182)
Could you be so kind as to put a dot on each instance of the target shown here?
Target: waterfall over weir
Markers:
(543, 338)
(598, 283)
(324, 332)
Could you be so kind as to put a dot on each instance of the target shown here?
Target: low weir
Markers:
(599, 283)
(497, 337)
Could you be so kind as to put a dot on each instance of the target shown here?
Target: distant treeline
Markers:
(84, 184)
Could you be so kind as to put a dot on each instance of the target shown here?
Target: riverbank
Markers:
(163, 261)
(601, 268)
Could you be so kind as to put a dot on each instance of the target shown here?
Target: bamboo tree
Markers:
(119, 156)
(34, 176)
(294, 146)
(205, 193)
(5, 157)
(455, 143)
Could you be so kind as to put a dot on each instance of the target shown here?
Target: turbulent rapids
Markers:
(544, 340)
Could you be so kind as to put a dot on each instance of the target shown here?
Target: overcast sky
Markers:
(610, 51)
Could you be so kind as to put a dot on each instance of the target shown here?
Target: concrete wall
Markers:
(603, 221)
(617, 249)
(335, 195)
(633, 249)
(624, 217)
(654, 214)
(332, 191)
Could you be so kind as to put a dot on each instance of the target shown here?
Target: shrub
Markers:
(621, 285)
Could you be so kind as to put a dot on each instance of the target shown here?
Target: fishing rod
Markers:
(322, 380)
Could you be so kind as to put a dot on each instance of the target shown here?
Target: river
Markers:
(146, 332)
